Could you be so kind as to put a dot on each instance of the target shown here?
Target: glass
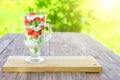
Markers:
(37, 31)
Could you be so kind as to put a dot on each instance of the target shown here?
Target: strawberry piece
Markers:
(35, 34)
(32, 13)
(29, 31)
(38, 18)
(30, 21)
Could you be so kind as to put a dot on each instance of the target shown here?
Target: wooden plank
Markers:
(67, 44)
(5, 41)
(53, 64)
(16, 44)
(16, 47)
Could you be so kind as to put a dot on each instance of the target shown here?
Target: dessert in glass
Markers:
(35, 35)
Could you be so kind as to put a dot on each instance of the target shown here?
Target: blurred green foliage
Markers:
(98, 18)
(64, 15)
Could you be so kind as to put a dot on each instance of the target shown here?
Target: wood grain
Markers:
(5, 41)
(14, 48)
(53, 64)
(62, 44)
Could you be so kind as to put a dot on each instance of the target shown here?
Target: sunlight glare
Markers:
(107, 4)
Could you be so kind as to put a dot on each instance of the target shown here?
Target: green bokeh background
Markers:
(98, 18)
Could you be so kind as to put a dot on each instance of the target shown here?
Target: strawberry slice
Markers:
(35, 34)
(32, 13)
(30, 21)
(38, 18)
(29, 31)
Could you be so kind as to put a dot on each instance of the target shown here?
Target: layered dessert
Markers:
(34, 29)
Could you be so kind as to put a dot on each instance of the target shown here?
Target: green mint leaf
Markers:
(30, 9)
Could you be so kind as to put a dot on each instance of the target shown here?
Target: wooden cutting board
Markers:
(53, 64)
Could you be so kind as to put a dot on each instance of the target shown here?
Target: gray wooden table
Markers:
(62, 44)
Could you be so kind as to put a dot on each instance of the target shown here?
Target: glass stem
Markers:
(34, 52)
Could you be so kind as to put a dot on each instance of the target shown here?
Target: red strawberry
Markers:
(30, 21)
(38, 18)
(35, 34)
(32, 13)
(30, 31)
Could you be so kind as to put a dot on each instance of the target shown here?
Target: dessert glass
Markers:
(37, 31)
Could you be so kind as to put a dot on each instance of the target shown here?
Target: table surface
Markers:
(62, 44)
